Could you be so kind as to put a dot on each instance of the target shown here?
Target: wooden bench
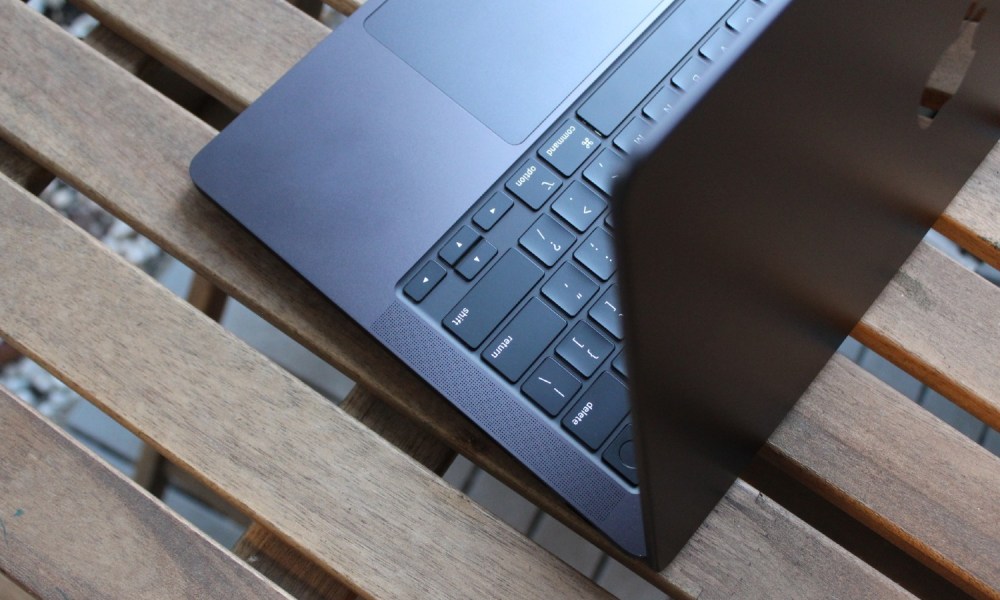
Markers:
(888, 500)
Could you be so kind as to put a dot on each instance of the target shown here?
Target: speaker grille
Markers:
(523, 433)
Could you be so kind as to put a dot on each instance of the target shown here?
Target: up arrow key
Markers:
(458, 245)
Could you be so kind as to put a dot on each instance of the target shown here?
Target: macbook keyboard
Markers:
(526, 280)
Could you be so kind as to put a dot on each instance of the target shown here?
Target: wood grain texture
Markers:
(941, 323)
(973, 218)
(904, 473)
(745, 549)
(273, 446)
(26, 172)
(285, 565)
(162, 203)
(72, 527)
(345, 7)
(193, 39)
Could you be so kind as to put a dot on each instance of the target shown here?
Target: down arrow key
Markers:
(478, 258)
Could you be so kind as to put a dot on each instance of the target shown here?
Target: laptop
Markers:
(621, 237)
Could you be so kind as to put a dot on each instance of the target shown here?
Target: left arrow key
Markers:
(424, 281)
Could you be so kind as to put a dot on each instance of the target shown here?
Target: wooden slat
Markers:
(199, 25)
(346, 7)
(939, 322)
(285, 565)
(917, 482)
(326, 484)
(71, 527)
(973, 219)
(259, 280)
(269, 443)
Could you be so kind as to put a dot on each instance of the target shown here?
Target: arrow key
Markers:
(491, 212)
(424, 281)
(579, 206)
(474, 261)
(458, 245)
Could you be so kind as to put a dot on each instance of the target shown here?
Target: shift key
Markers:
(493, 298)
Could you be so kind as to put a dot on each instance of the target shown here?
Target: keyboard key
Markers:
(494, 210)
(579, 206)
(474, 261)
(691, 73)
(551, 387)
(491, 300)
(570, 289)
(569, 147)
(458, 245)
(598, 254)
(718, 45)
(662, 104)
(584, 349)
(547, 240)
(424, 281)
(608, 313)
(608, 106)
(605, 171)
(744, 16)
(633, 136)
(523, 340)
(620, 364)
(598, 412)
(620, 455)
(534, 184)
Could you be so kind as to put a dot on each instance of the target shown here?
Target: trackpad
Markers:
(508, 63)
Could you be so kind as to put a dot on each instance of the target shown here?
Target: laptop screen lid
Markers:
(770, 217)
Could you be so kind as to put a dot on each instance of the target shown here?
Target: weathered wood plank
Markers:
(973, 219)
(938, 321)
(257, 277)
(281, 452)
(904, 473)
(199, 27)
(285, 565)
(746, 547)
(345, 7)
(72, 527)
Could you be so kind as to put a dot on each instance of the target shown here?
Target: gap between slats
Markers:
(75, 528)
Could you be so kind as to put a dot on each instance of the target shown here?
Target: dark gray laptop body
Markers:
(361, 163)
